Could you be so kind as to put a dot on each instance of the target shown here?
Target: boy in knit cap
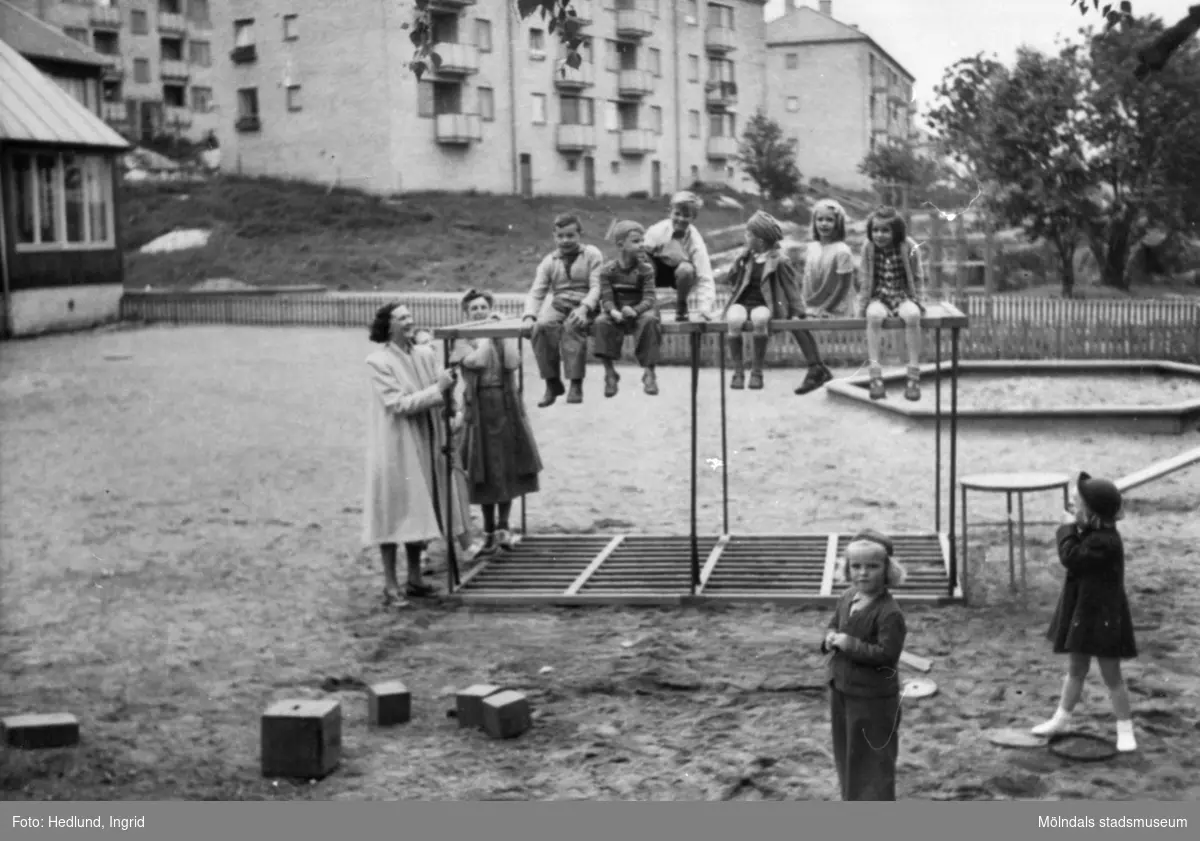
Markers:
(630, 306)
(564, 297)
(680, 257)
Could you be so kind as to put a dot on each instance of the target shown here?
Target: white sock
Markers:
(1125, 738)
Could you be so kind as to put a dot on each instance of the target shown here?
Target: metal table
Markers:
(1011, 484)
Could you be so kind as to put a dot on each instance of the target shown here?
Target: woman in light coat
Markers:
(406, 475)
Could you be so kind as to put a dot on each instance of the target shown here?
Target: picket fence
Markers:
(1000, 327)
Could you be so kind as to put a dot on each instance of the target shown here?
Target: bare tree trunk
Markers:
(1065, 245)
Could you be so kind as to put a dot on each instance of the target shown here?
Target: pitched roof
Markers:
(805, 25)
(34, 38)
(35, 109)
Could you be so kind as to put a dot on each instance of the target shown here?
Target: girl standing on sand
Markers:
(866, 636)
(1093, 618)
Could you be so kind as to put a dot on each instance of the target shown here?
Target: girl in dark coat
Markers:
(1093, 618)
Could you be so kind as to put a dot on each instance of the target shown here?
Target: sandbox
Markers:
(1130, 405)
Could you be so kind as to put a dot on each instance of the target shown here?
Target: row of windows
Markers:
(437, 98)
(61, 200)
(198, 53)
(139, 19)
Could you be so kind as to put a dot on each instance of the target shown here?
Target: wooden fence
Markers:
(1001, 327)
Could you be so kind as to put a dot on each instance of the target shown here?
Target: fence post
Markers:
(989, 250)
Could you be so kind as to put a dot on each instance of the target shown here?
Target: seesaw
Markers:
(1158, 470)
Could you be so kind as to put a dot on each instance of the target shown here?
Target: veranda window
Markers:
(62, 201)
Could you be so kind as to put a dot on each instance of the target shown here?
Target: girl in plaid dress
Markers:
(894, 279)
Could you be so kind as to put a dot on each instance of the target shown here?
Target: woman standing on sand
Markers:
(499, 453)
(406, 480)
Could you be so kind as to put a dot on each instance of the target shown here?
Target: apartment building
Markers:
(160, 56)
(324, 93)
(835, 91)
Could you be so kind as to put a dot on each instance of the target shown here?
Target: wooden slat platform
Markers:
(623, 569)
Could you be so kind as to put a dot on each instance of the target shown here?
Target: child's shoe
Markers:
(650, 382)
(756, 379)
(575, 392)
(1125, 739)
(1060, 722)
(611, 378)
(738, 380)
(877, 390)
(507, 540)
(817, 376)
(912, 389)
(488, 546)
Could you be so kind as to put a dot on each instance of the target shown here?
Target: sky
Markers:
(926, 36)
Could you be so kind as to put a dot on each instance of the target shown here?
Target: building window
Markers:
(79, 34)
(612, 56)
(200, 53)
(692, 9)
(793, 104)
(720, 16)
(170, 49)
(425, 99)
(291, 27)
(693, 123)
(174, 96)
(615, 167)
(656, 119)
(293, 97)
(141, 70)
(629, 113)
(576, 111)
(247, 109)
(693, 68)
(106, 43)
(487, 104)
(61, 201)
(483, 35)
(656, 61)
(612, 117)
(139, 23)
(539, 109)
(202, 100)
(792, 60)
(244, 50)
(721, 125)
(198, 13)
(537, 42)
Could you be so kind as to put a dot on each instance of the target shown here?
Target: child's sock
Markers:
(1125, 739)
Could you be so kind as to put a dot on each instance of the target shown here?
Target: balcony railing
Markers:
(173, 69)
(634, 23)
(722, 148)
(720, 39)
(177, 115)
(638, 141)
(105, 17)
(721, 94)
(458, 129)
(635, 83)
(247, 124)
(114, 112)
(576, 138)
(573, 78)
(114, 66)
(169, 22)
(457, 59)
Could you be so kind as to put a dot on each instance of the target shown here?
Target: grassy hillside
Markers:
(269, 232)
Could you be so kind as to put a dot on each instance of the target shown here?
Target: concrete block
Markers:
(389, 703)
(301, 739)
(506, 715)
(34, 731)
(470, 704)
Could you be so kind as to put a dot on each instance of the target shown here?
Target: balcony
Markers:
(638, 141)
(105, 17)
(584, 11)
(576, 138)
(720, 39)
(114, 66)
(457, 59)
(176, 116)
(244, 55)
(458, 129)
(634, 23)
(722, 148)
(574, 78)
(248, 124)
(635, 83)
(114, 112)
(168, 22)
(173, 69)
(721, 94)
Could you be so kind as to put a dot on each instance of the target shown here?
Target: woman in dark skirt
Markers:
(499, 453)
(1093, 618)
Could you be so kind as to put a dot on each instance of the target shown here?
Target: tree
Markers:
(925, 175)
(1154, 54)
(767, 158)
(560, 14)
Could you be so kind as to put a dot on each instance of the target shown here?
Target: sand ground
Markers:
(179, 540)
